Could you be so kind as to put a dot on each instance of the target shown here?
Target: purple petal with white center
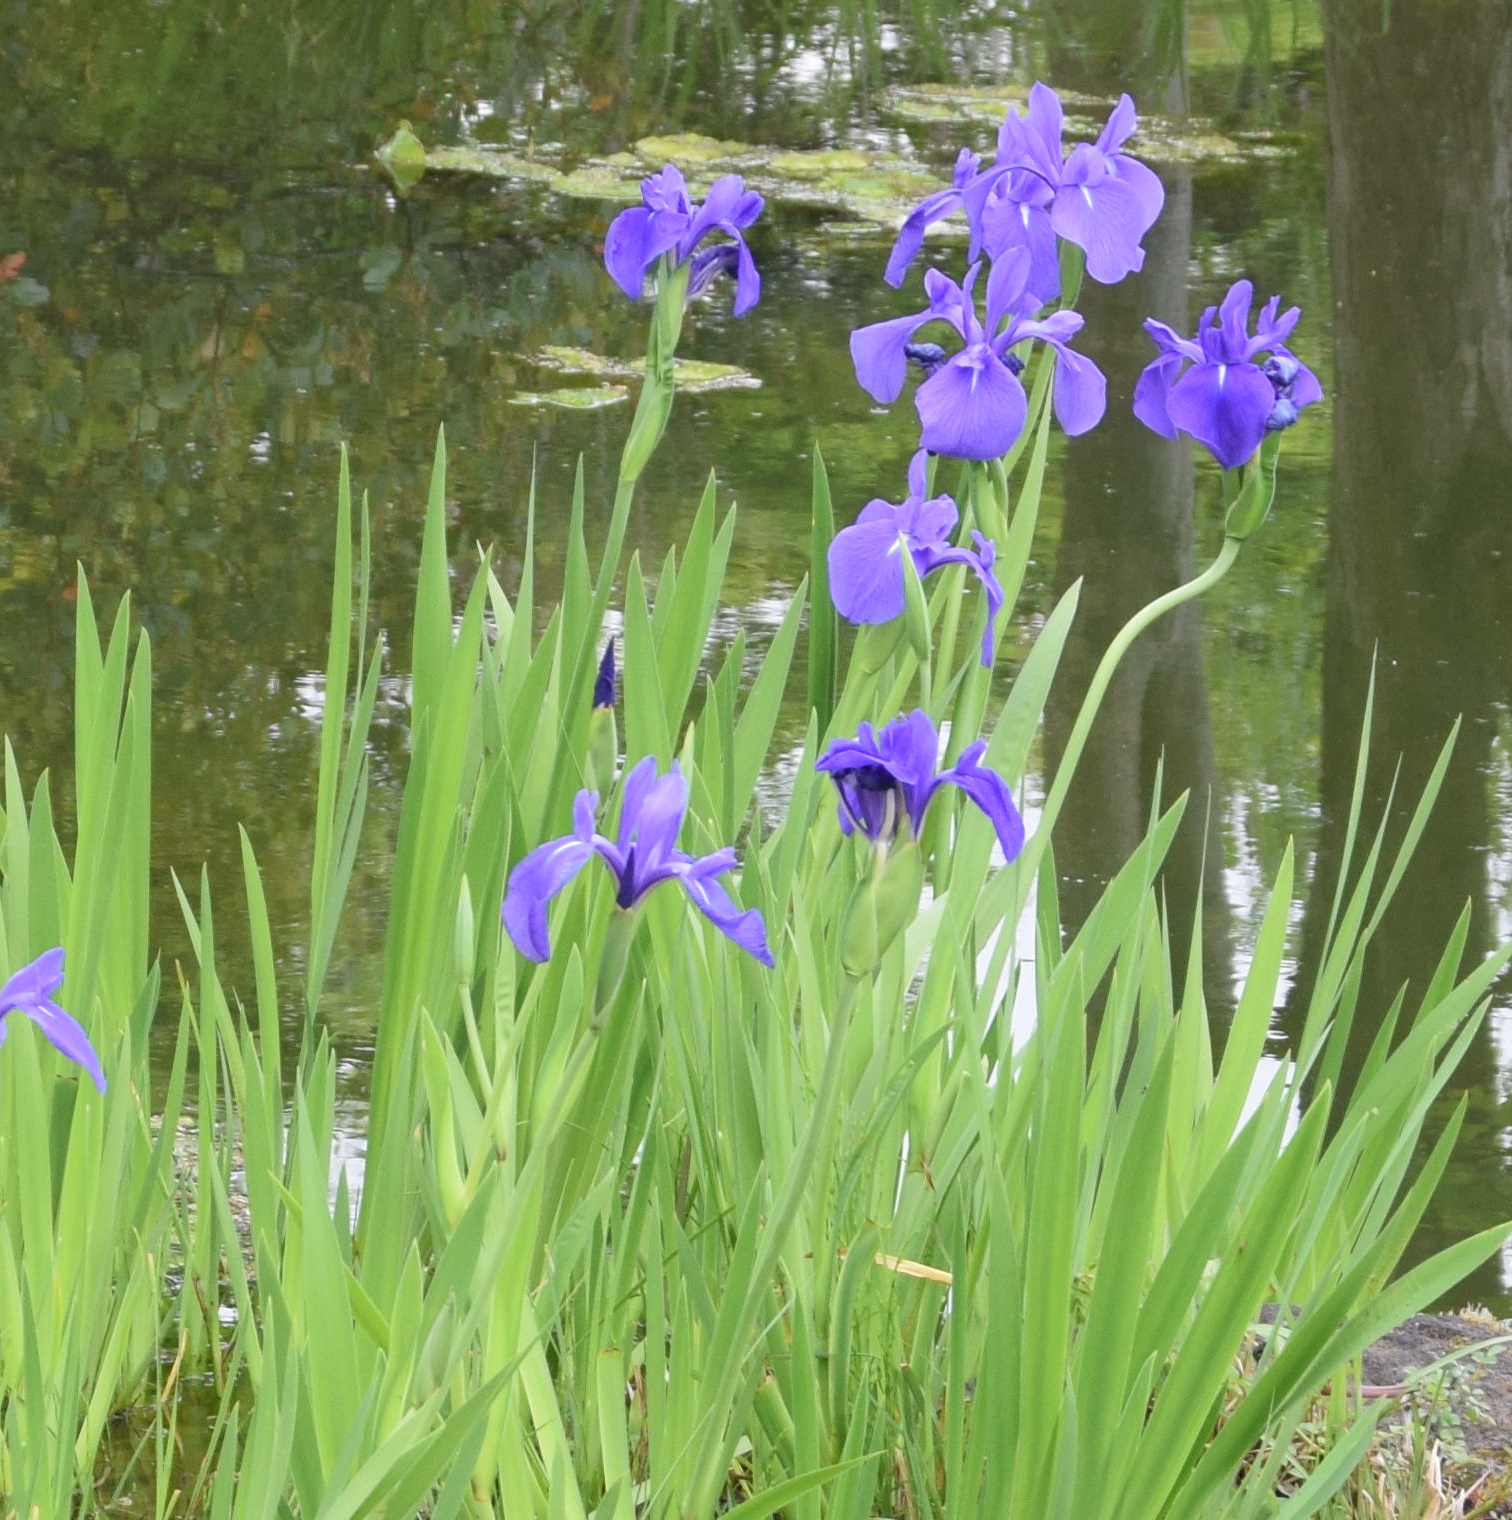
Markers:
(533, 883)
(1223, 406)
(1152, 394)
(1102, 215)
(1007, 224)
(877, 354)
(866, 571)
(973, 408)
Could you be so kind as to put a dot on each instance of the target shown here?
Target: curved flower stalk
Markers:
(866, 559)
(668, 222)
(1098, 198)
(972, 404)
(886, 780)
(651, 814)
(30, 991)
(1224, 399)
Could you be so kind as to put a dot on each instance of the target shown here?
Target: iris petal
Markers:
(973, 408)
(877, 354)
(30, 991)
(866, 571)
(1224, 407)
(1081, 391)
(1152, 394)
(744, 926)
(911, 234)
(532, 884)
(990, 793)
(1106, 220)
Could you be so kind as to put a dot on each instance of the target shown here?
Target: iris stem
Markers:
(1101, 678)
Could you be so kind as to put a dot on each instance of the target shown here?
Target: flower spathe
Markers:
(1211, 387)
(1098, 197)
(668, 222)
(866, 559)
(643, 854)
(30, 991)
(973, 406)
(886, 780)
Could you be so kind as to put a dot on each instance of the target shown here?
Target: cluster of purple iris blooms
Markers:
(972, 405)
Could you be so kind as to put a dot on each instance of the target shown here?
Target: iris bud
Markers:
(1253, 503)
(603, 734)
(882, 907)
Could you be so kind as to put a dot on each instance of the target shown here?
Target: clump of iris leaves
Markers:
(707, 1167)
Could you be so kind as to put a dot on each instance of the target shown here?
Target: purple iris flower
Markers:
(887, 779)
(668, 222)
(1225, 400)
(30, 991)
(866, 559)
(651, 814)
(972, 405)
(1098, 198)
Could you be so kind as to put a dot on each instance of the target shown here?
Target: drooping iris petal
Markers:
(866, 571)
(745, 927)
(1152, 394)
(973, 408)
(1008, 224)
(1103, 215)
(1223, 406)
(30, 991)
(877, 352)
(990, 793)
(1081, 391)
(533, 883)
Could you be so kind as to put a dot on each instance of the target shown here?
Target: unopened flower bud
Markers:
(882, 907)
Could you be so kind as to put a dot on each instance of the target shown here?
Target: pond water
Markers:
(221, 286)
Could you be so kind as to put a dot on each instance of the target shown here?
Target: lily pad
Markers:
(684, 148)
(585, 398)
(403, 155)
(693, 375)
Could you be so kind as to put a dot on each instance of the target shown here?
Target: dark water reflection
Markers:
(225, 291)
